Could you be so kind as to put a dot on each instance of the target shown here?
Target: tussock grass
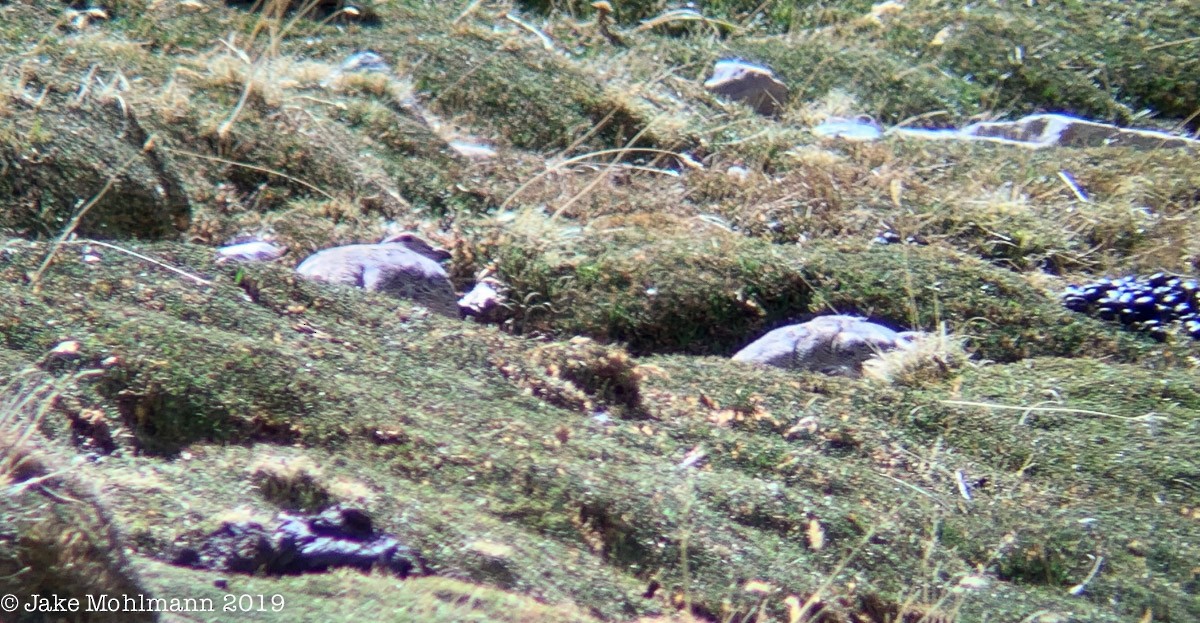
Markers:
(932, 357)
(294, 483)
(58, 537)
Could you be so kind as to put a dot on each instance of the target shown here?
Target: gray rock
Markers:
(754, 85)
(404, 269)
(366, 62)
(834, 344)
(360, 62)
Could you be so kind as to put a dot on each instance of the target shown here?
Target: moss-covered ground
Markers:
(595, 456)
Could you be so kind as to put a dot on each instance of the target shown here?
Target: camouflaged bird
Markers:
(404, 266)
(834, 344)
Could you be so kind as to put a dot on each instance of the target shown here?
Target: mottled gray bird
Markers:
(404, 266)
(835, 344)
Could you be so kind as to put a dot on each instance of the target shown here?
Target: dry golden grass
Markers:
(293, 482)
(931, 358)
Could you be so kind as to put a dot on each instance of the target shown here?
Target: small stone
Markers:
(364, 62)
(754, 85)
(472, 150)
(67, 350)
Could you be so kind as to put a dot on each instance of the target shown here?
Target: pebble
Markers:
(252, 251)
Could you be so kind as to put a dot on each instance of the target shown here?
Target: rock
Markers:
(365, 62)
(252, 251)
(360, 62)
(338, 537)
(472, 150)
(834, 344)
(890, 237)
(1147, 303)
(1062, 130)
(485, 301)
(403, 266)
(754, 85)
(861, 128)
(738, 173)
(1053, 130)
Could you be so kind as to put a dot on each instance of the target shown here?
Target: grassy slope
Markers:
(477, 446)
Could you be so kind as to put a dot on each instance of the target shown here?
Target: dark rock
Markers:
(338, 537)
(1146, 303)
(754, 85)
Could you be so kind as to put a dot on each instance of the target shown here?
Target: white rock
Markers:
(855, 129)
(253, 251)
(472, 150)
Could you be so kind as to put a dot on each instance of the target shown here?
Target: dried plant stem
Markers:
(986, 405)
(144, 258)
(251, 167)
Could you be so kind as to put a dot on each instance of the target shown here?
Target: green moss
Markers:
(668, 289)
(58, 539)
(654, 289)
(64, 157)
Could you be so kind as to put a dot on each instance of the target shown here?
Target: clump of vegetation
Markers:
(580, 375)
(293, 483)
(931, 358)
(58, 539)
(655, 284)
